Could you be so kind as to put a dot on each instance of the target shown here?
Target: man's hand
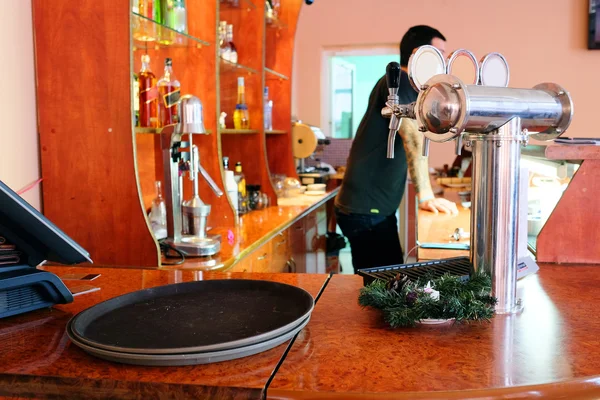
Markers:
(437, 204)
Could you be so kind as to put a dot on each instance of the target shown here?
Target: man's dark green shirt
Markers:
(374, 184)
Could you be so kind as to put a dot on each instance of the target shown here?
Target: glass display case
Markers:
(547, 180)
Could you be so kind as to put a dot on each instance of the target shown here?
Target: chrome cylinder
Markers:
(448, 107)
(494, 209)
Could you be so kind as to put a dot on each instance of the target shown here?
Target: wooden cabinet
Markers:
(297, 249)
(98, 169)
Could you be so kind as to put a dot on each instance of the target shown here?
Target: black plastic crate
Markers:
(460, 266)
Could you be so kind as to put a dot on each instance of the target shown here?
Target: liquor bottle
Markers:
(241, 117)
(158, 214)
(148, 95)
(233, 56)
(144, 29)
(224, 50)
(174, 15)
(136, 99)
(150, 9)
(240, 179)
(168, 96)
(268, 117)
(231, 184)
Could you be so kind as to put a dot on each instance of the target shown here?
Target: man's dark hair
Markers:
(417, 36)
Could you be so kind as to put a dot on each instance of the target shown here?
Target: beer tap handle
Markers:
(392, 75)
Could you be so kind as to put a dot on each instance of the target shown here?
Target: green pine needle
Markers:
(462, 300)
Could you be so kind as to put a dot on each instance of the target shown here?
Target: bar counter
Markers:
(550, 349)
(255, 229)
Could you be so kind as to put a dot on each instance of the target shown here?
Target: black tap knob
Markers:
(392, 74)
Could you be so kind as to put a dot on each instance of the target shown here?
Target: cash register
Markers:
(29, 240)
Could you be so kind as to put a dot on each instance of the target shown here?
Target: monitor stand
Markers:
(24, 288)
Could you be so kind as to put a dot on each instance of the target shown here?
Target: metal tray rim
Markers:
(189, 358)
(197, 349)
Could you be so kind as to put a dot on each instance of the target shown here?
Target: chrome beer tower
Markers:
(494, 121)
(186, 221)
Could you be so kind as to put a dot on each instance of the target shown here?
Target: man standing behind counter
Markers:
(373, 185)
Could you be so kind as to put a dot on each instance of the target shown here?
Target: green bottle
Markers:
(174, 15)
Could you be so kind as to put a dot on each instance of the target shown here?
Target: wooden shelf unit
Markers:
(99, 181)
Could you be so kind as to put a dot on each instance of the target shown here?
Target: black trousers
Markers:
(374, 240)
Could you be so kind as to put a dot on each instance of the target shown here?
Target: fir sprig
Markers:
(405, 303)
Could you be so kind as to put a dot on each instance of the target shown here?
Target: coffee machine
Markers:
(186, 219)
(494, 121)
(308, 142)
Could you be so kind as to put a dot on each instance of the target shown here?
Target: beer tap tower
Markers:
(494, 121)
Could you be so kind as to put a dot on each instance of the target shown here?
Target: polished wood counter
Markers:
(254, 229)
(552, 346)
(37, 357)
(550, 349)
(437, 228)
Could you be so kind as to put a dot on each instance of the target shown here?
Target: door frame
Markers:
(338, 51)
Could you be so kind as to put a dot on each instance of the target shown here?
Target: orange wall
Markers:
(542, 40)
(19, 159)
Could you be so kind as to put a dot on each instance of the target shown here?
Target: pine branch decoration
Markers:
(404, 303)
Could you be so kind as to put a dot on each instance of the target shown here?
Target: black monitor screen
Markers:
(594, 25)
(33, 234)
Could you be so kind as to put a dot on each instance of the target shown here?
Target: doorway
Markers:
(349, 76)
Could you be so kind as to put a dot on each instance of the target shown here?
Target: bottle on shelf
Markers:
(158, 214)
(136, 99)
(168, 96)
(268, 117)
(240, 179)
(174, 15)
(272, 11)
(231, 186)
(233, 55)
(150, 9)
(148, 95)
(241, 116)
(224, 50)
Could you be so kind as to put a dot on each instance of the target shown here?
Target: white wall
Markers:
(19, 144)
(544, 41)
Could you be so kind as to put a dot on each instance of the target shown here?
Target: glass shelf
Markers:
(271, 74)
(238, 131)
(157, 131)
(275, 132)
(149, 34)
(241, 5)
(229, 67)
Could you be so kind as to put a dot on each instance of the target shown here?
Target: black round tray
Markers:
(187, 358)
(193, 317)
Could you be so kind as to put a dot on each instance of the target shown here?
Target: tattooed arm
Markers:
(418, 167)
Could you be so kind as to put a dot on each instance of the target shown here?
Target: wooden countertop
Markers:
(37, 356)
(437, 228)
(348, 352)
(564, 151)
(254, 229)
(344, 352)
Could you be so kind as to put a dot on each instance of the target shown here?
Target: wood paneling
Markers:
(84, 102)
(279, 49)
(99, 175)
(571, 235)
